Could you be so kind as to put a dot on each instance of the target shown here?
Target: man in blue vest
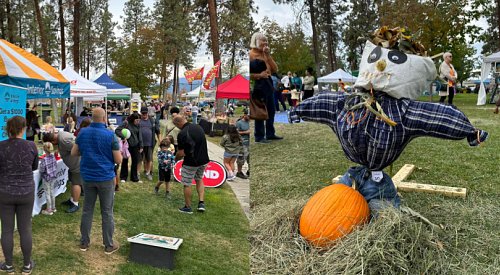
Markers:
(99, 150)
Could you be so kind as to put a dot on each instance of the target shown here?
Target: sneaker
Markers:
(122, 181)
(186, 210)
(149, 176)
(241, 175)
(262, 141)
(231, 178)
(54, 210)
(67, 202)
(27, 269)
(111, 249)
(274, 138)
(7, 268)
(73, 208)
(201, 207)
(157, 189)
(84, 246)
(47, 212)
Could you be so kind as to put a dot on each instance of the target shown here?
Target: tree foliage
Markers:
(290, 47)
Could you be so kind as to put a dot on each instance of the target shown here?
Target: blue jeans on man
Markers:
(265, 131)
(105, 191)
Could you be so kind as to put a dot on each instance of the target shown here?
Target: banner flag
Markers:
(196, 74)
(213, 73)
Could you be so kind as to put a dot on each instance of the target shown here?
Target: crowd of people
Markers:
(97, 156)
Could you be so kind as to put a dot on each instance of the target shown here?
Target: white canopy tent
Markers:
(488, 61)
(194, 93)
(82, 87)
(335, 76)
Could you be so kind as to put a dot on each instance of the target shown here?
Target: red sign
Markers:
(214, 176)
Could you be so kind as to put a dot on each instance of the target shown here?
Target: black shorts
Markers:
(147, 153)
(164, 175)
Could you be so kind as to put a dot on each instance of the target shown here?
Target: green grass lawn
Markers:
(215, 242)
(293, 169)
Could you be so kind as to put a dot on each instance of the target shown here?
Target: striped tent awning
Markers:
(21, 68)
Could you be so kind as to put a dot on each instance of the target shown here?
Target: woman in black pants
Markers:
(135, 147)
(18, 160)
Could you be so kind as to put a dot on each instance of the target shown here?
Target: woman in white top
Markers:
(448, 73)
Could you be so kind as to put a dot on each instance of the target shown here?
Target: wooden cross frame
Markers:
(401, 185)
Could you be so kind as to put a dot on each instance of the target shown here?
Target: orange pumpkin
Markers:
(331, 213)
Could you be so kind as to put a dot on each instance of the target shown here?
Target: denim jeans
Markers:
(105, 191)
(262, 131)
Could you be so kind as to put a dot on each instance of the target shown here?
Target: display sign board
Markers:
(156, 240)
(214, 176)
(12, 103)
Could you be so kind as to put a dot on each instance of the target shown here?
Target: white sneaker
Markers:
(45, 212)
(231, 178)
(122, 181)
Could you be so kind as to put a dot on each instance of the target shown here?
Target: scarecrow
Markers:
(376, 122)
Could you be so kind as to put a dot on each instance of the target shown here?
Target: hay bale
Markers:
(393, 244)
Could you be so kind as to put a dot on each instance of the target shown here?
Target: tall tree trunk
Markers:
(10, 22)
(312, 14)
(498, 22)
(43, 36)
(233, 58)
(214, 32)
(2, 16)
(106, 49)
(174, 88)
(329, 37)
(89, 38)
(76, 35)
(63, 39)
(214, 37)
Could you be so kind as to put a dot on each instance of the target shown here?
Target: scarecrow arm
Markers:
(440, 121)
(321, 108)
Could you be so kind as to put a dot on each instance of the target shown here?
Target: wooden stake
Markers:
(406, 170)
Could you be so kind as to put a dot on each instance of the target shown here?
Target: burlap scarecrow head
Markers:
(393, 66)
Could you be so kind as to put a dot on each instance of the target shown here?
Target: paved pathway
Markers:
(240, 187)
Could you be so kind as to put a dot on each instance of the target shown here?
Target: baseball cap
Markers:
(144, 109)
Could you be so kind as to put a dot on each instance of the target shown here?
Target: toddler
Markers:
(165, 165)
(48, 167)
(233, 144)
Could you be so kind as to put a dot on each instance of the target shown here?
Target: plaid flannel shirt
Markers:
(48, 167)
(369, 141)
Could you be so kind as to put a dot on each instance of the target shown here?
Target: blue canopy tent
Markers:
(114, 90)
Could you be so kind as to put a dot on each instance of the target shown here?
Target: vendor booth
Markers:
(82, 89)
(335, 76)
(23, 69)
(489, 62)
(35, 79)
(236, 88)
(114, 90)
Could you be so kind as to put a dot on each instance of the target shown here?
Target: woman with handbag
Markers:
(262, 66)
(448, 73)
